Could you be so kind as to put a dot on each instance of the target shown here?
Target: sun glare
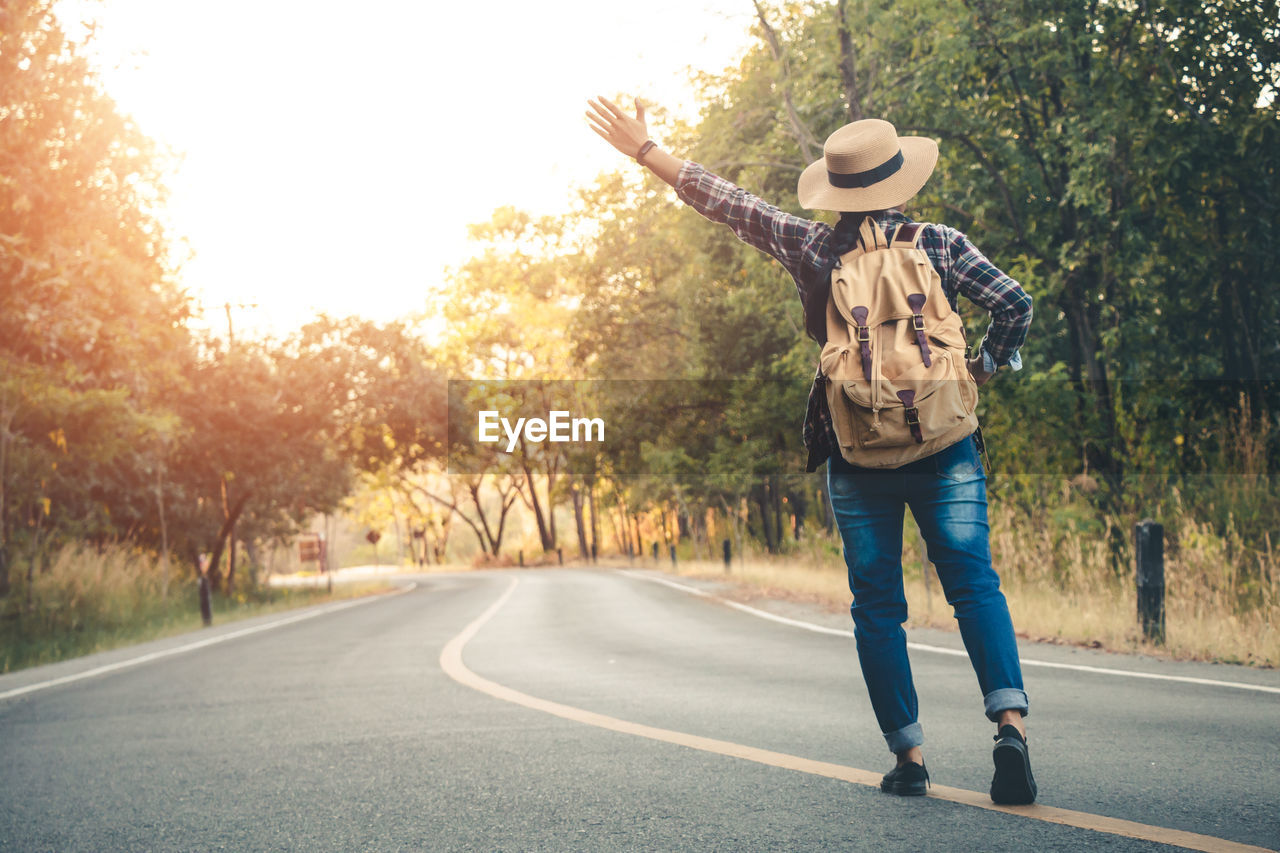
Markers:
(331, 159)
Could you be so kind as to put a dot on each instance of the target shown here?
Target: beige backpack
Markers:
(897, 384)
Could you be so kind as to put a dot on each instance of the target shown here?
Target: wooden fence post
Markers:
(1149, 546)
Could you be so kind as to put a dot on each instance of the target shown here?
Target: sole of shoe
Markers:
(1013, 784)
(904, 789)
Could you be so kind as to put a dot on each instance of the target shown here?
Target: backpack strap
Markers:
(912, 414)
(872, 235)
(916, 302)
(906, 236)
(870, 238)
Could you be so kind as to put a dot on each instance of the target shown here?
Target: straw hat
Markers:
(867, 166)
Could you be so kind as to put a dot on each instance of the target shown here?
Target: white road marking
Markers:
(924, 647)
(190, 647)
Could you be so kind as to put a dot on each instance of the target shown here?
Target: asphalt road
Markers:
(340, 729)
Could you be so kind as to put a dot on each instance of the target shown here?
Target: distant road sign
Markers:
(310, 548)
(373, 536)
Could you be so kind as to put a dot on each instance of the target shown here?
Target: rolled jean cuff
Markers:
(1004, 699)
(904, 738)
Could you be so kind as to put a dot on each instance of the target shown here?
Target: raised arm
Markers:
(629, 134)
(757, 223)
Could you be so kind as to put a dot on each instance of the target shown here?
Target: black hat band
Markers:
(855, 180)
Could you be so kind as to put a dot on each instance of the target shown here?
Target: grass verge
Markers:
(87, 601)
(1060, 590)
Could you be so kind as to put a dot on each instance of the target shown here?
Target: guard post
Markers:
(1149, 547)
(206, 605)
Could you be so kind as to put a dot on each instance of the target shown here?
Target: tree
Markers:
(90, 317)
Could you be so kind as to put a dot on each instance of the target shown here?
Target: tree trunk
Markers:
(775, 493)
(164, 533)
(395, 520)
(231, 560)
(554, 541)
(798, 500)
(505, 501)
(848, 63)
(1102, 454)
(535, 503)
(484, 532)
(621, 530)
(804, 137)
(233, 513)
(252, 554)
(580, 521)
(7, 415)
(635, 527)
(765, 505)
(595, 527)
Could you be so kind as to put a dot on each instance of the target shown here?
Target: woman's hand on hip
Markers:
(979, 375)
(620, 130)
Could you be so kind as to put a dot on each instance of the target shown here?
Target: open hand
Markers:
(620, 130)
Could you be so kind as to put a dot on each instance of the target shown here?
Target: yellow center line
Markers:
(451, 662)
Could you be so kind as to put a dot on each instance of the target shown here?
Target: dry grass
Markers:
(1062, 587)
(88, 600)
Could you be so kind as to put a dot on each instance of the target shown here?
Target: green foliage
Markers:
(1118, 159)
(117, 422)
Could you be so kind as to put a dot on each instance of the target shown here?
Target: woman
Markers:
(868, 170)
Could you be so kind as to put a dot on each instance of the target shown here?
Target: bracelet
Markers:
(648, 146)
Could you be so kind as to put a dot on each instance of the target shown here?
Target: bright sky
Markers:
(335, 152)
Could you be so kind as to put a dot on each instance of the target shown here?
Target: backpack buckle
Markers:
(864, 334)
(913, 416)
(917, 322)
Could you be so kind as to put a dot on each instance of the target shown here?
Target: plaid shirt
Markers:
(803, 247)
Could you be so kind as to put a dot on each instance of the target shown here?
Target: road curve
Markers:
(345, 732)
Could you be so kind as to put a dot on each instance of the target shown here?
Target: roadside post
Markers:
(202, 588)
(206, 605)
(727, 555)
(1149, 547)
(673, 556)
(655, 552)
(419, 545)
(311, 550)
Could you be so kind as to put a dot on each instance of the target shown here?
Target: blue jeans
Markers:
(947, 493)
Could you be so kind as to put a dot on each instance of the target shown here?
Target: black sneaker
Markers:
(906, 780)
(1013, 784)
